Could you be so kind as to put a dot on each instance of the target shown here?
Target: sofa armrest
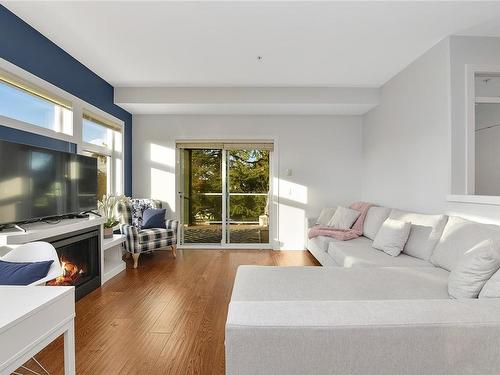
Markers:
(129, 230)
(310, 222)
(172, 224)
(131, 237)
(363, 337)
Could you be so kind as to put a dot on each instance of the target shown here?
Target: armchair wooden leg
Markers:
(136, 258)
(174, 251)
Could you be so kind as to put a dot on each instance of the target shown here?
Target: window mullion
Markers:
(113, 167)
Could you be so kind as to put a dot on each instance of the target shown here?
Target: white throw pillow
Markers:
(326, 215)
(343, 218)
(473, 270)
(459, 236)
(492, 287)
(426, 230)
(374, 219)
(392, 236)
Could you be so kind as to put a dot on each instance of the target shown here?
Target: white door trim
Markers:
(273, 204)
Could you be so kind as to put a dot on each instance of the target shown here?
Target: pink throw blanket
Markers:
(344, 234)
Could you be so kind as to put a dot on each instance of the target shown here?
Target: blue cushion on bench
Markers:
(21, 273)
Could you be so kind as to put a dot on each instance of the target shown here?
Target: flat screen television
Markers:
(37, 183)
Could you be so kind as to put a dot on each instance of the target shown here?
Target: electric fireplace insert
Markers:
(79, 254)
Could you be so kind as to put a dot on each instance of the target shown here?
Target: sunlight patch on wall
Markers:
(163, 186)
(291, 227)
(162, 155)
(291, 190)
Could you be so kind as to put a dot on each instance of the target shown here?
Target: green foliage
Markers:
(206, 177)
(248, 173)
(247, 207)
(206, 167)
(111, 223)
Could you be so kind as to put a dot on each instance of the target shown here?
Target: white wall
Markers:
(324, 153)
(406, 153)
(408, 140)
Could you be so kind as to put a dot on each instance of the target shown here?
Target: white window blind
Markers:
(227, 145)
(21, 84)
(101, 132)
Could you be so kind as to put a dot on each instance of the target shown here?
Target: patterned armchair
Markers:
(139, 240)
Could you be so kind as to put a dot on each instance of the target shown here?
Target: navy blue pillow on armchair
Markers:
(23, 273)
(154, 218)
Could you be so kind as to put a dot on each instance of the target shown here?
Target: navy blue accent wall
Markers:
(25, 47)
(27, 138)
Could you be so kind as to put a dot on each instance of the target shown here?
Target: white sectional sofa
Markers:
(424, 236)
(367, 312)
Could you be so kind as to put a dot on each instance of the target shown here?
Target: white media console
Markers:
(110, 250)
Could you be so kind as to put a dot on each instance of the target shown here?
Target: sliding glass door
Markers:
(201, 196)
(247, 196)
(224, 194)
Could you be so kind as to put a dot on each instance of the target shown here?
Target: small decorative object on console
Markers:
(107, 208)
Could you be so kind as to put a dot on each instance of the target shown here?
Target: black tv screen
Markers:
(38, 183)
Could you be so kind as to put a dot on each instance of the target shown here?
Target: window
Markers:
(96, 133)
(487, 134)
(103, 174)
(102, 139)
(31, 105)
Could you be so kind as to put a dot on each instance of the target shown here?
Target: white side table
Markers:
(32, 317)
(112, 262)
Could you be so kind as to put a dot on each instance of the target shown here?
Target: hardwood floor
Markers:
(165, 317)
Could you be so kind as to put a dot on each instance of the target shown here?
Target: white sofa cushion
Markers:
(360, 253)
(392, 236)
(265, 283)
(492, 287)
(460, 235)
(389, 337)
(374, 219)
(474, 269)
(343, 218)
(425, 232)
(320, 243)
(326, 215)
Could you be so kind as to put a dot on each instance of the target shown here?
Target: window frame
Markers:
(35, 86)
(469, 195)
(79, 107)
(111, 152)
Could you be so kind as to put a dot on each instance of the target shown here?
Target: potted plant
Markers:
(107, 209)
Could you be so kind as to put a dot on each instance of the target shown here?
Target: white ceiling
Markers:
(137, 43)
(490, 28)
